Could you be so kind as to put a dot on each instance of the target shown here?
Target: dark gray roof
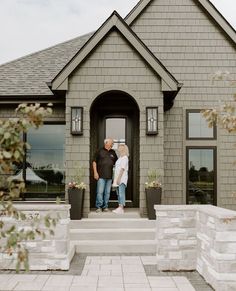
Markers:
(28, 76)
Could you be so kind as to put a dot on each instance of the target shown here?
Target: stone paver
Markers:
(103, 272)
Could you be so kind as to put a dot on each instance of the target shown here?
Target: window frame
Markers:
(35, 196)
(188, 111)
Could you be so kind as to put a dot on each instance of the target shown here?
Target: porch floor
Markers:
(101, 272)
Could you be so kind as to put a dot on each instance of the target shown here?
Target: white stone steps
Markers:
(115, 246)
(113, 234)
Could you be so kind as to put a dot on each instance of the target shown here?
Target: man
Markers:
(103, 163)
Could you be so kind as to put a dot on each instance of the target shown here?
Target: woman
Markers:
(121, 177)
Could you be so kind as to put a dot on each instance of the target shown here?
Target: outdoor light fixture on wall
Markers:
(151, 120)
(77, 120)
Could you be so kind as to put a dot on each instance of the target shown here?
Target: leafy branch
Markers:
(224, 114)
(15, 228)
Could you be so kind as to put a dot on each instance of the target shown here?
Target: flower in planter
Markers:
(76, 185)
(153, 179)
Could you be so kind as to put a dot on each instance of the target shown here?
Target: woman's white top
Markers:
(121, 163)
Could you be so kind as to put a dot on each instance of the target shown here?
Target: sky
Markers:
(27, 26)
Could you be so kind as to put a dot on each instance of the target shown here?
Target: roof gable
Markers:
(205, 4)
(169, 83)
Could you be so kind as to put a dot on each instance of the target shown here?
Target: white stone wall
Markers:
(192, 47)
(114, 65)
(198, 237)
(51, 253)
(176, 237)
(216, 234)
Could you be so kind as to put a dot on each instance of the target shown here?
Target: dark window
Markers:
(197, 127)
(201, 175)
(44, 166)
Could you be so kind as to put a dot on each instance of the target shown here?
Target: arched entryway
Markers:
(115, 114)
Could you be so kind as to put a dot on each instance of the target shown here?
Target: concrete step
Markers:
(129, 213)
(112, 234)
(112, 223)
(115, 246)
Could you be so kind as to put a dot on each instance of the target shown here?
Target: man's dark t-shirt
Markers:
(105, 161)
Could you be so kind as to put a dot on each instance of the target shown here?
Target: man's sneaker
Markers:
(118, 210)
(106, 210)
(98, 210)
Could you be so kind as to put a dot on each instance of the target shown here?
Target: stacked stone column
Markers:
(198, 237)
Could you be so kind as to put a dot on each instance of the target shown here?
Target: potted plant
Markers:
(76, 189)
(153, 192)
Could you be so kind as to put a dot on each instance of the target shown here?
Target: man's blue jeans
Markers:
(103, 192)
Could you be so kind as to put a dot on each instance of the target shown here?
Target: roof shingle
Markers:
(29, 75)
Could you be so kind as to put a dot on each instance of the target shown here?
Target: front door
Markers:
(110, 119)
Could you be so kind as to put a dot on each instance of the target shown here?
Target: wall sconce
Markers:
(77, 120)
(151, 120)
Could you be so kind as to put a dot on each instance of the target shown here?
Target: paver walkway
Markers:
(101, 273)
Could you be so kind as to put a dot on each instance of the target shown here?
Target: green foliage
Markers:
(79, 173)
(12, 151)
(153, 178)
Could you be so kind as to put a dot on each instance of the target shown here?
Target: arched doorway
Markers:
(115, 114)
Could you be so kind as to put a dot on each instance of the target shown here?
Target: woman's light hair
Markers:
(125, 149)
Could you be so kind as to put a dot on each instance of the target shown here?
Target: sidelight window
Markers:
(201, 175)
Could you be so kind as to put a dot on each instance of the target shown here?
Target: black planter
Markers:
(153, 197)
(76, 200)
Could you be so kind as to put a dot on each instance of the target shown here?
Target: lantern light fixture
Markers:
(151, 120)
(76, 120)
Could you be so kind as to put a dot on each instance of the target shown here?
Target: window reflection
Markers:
(198, 127)
(201, 176)
(45, 160)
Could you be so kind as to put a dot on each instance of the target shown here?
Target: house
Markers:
(143, 80)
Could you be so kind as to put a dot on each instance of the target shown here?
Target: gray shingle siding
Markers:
(193, 48)
(114, 65)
